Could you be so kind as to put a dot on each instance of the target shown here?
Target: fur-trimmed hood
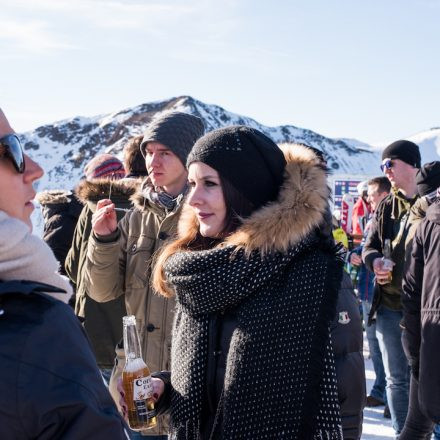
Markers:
(92, 191)
(53, 197)
(299, 209)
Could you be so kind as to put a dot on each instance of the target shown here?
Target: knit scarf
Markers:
(24, 256)
(159, 197)
(280, 380)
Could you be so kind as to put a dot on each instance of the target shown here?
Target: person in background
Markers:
(421, 311)
(50, 384)
(387, 234)
(256, 288)
(347, 341)
(133, 160)
(377, 189)
(104, 177)
(345, 331)
(361, 211)
(60, 209)
(119, 255)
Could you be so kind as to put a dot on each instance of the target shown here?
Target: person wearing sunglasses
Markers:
(386, 241)
(50, 384)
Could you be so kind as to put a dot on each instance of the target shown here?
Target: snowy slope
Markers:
(429, 143)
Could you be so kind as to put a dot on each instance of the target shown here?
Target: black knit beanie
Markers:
(428, 178)
(176, 130)
(246, 158)
(404, 150)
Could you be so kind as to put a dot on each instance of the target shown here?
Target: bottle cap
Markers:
(129, 320)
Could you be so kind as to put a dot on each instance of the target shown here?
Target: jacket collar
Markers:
(92, 191)
(142, 203)
(53, 197)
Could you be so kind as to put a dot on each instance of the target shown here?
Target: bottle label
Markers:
(143, 412)
(142, 388)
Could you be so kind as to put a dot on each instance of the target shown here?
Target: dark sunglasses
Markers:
(387, 165)
(13, 150)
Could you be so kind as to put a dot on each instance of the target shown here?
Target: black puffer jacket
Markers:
(347, 339)
(60, 211)
(421, 308)
(50, 385)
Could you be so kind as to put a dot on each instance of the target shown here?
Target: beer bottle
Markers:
(136, 380)
(387, 262)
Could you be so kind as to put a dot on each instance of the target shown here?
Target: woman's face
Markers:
(16, 190)
(206, 199)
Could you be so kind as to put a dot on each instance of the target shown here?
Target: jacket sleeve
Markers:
(104, 272)
(72, 260)
(411, 301)
(60, 392)
(373, 245)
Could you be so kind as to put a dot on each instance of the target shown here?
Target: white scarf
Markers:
(24, 256)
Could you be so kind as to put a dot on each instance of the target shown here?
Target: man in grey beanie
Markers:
(119, 256)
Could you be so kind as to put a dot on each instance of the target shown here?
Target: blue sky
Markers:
(365, 70)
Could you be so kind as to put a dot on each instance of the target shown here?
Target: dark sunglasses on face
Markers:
(13, 150)
(388, 164)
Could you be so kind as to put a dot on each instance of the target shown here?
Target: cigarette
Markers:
(121, 209)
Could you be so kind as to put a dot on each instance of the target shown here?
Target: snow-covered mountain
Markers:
(63, 148)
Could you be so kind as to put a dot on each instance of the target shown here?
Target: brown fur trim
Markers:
(281, 224)
(52, 197)
(100, 189)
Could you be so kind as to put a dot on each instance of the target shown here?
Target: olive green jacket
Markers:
(122, 265)
(102, 322)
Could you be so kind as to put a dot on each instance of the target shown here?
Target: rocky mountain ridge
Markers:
(63, 148)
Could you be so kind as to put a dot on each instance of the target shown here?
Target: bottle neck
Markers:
(132, 344)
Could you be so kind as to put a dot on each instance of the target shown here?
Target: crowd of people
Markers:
(221, 246)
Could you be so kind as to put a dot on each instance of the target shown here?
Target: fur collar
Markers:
(100, 189)
(138, 199)
(53, 196)
(280, 225)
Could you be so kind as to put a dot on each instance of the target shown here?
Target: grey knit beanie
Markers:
(176, 130)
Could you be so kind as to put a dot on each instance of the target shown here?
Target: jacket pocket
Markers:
(139, 252)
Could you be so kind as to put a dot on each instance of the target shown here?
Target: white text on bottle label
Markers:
(142, 388)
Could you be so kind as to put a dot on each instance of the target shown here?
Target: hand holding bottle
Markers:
(158, 389)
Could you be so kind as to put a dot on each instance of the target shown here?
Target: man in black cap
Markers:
(385, 242)
(120, 255)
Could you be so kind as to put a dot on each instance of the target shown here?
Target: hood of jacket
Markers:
(433, 213)
(418, 210)
(299, 209)
(92, 191)
(53, 197)
(58, 202)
